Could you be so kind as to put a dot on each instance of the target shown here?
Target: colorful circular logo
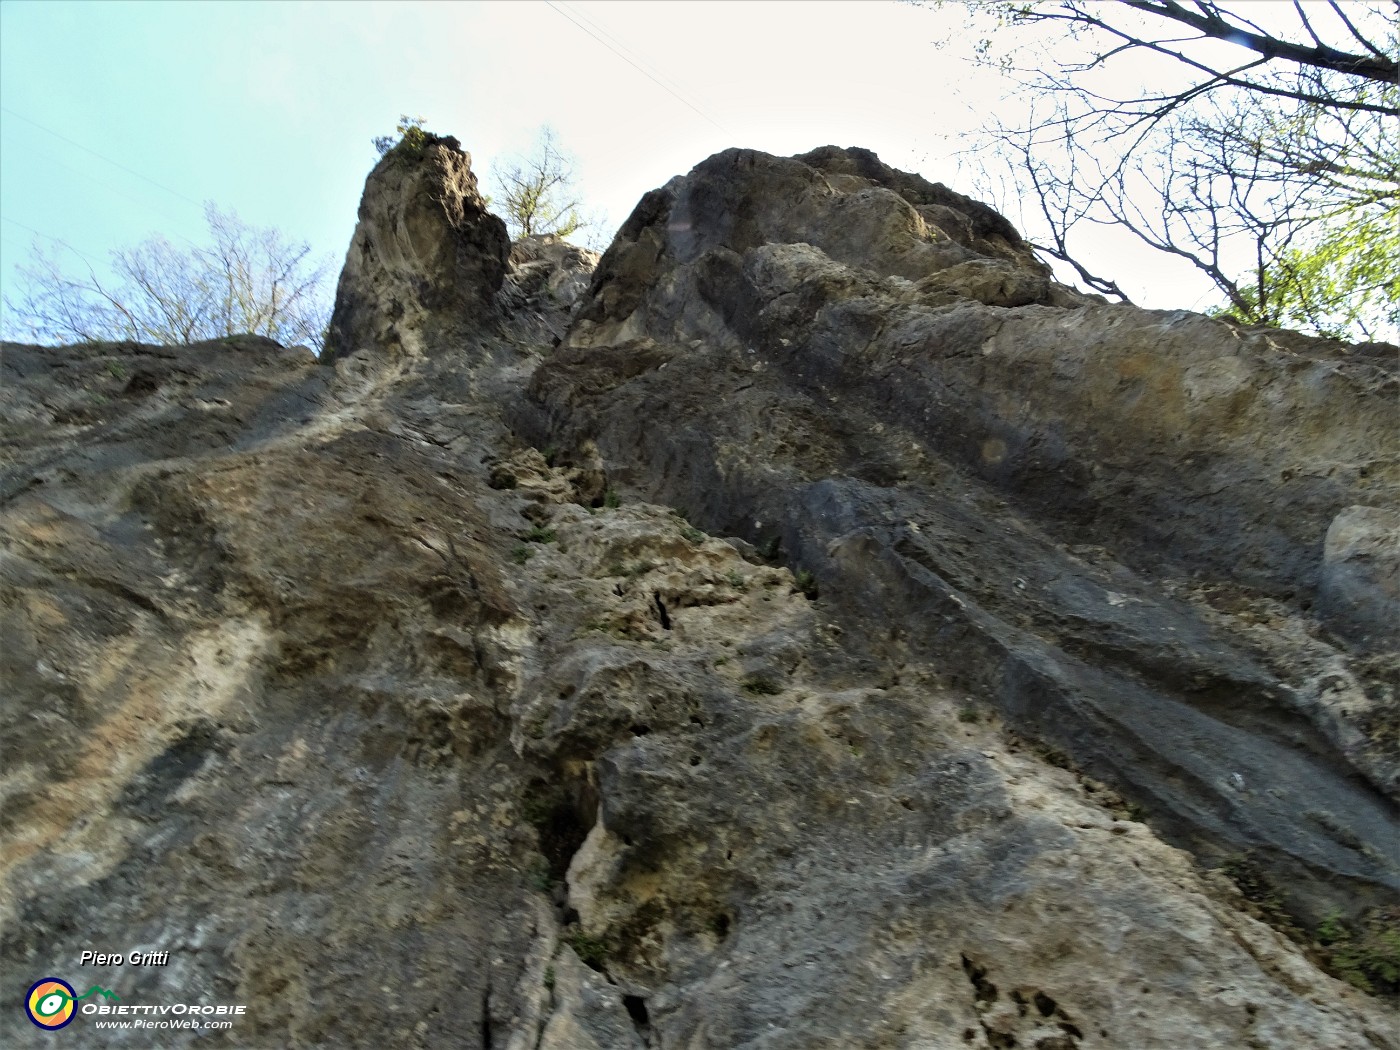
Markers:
(50, 1003)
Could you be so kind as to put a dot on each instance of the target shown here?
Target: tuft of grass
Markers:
(761, 686)
(521, 554)
(550, 454)
(593, 951)
(736, 580)
(549, 977)
(540, 878)
(692, 534)
(540, 534)
(968, 714)
(611, 500)
(807, 584)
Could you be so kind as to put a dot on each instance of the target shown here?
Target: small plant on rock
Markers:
(409, 141)
(1367, 956)
(591, 950)
(761, 685)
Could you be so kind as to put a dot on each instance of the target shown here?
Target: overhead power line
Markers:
(634, 64)
(50, 237)
(101, 156)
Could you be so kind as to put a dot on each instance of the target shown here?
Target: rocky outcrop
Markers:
(1081, 512)
(546, 279)
(425, 253)
(808, 652)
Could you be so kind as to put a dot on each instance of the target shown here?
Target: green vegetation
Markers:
(1366, 957)
(540, 877)
(549, 977)
(1340, 280)
(591, 950)
(611, 499)
(537, 809)
(1275, 174)
(540, 534)
(521, 554)
(408, 141)
(807, 584)
(538, 192)
(692, 534)
(761, 685)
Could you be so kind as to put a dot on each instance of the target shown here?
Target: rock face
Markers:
(1080, 513)
(847, 637)
(425, 252)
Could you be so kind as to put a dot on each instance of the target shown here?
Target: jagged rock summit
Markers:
(808, 626)
(425, 252)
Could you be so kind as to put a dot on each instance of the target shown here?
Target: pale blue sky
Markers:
(119, 119)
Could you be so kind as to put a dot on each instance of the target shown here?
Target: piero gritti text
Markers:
(118, 959)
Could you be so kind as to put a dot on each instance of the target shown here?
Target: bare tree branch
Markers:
(248, 280)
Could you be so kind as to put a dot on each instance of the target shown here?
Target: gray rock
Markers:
(402, 732)
(1360, 587)
(425, 251)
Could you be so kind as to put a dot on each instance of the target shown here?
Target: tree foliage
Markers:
(538, 192)
(1259, 142)
(408, 139)
(246, 280)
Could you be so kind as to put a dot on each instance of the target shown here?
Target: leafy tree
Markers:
(247, 280)
(538, 191)
(1259, 143)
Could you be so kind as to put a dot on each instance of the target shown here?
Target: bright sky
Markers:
(117, 120)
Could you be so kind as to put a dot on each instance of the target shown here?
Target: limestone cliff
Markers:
(844, 637)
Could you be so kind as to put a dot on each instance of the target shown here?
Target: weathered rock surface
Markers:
(403, 732)
(1053, 504)
(425, 254)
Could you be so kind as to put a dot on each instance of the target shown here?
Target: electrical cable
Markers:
(675, 94)
(100, 156)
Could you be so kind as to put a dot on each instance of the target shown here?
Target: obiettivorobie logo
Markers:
(50, 1003)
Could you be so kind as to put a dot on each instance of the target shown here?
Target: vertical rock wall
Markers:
(833, 643)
